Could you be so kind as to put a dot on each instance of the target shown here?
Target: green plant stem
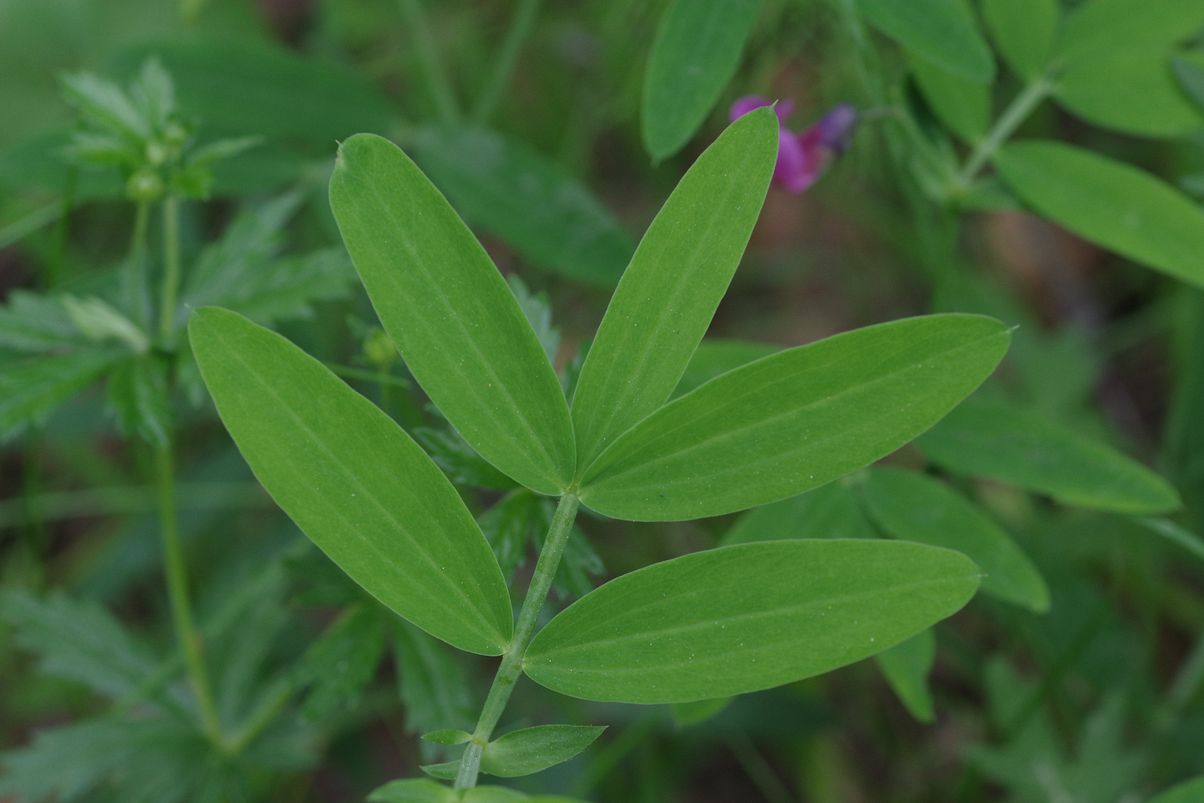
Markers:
(1015, 114)
(171, 268)
(758, 770)
(512, 662)
(516, 36)
(434, 75)
(136, 268)
(177, 592)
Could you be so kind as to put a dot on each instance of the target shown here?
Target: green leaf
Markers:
(944, 31)
(99, 321)
(458, 461)
(906, 667)
(716, 356)
(1189, 69)
(1129, 87)
(521, 196)
(448, 736)
(354, 482)
(1024, 32)
(412, 790)
(962, 106)
(31, 389)
(748, 617)
(34, 323)
(992, 439)
(1175, 534)
(688, 714)
(104, 105)
(1187, 792)
(510, 526)
(445, 771)
(531, 750)
(913, 507)
(336, 103)
(668, 294)
(78, 641)
(1109, 203)
(433, 686)
(795, 420)
(138, 398)
(339, 665)
(451, 314)
(830, 511)
(694, 56)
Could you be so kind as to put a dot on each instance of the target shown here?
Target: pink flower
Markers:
(802, 157)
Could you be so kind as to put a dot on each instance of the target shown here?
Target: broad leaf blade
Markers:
(521, 196)
(531, 750)
(1024, 32)
(354, 482)
(743, 618)
(695, 55)
(451, 314)
(1109, 203)
(992, 439)
(913, 507)
(963, 106)
(669, 292)
(412, 790)
(944, 31)
(795, 420)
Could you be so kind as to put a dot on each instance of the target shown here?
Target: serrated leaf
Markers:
(412, 790)
(78, 641)
(341, 662)
(433, 686)
(99, 321)
(538, 310)
(695, 54)
(830, 511)
(31, 389)
(993, 439)
(1024, 32)
(459, 462)
(510, 527)
(1109, 203)
(34, 323)
(668, 294)
(521, 196)
(103, 104)
(795, 420)
(451, 314)
(354, 482)
(913, 507)
(906, 667)
(748, 617)
(1131, 87)
(137, 396)
(944, 31)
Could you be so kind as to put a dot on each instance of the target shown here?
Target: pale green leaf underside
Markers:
(914, 507)
(748, 617)
(795, 420)
(451, 314)
(354, 482)
(992, 439)
(695, 55)
(1110, 203)
(527, 751)
(668, 294)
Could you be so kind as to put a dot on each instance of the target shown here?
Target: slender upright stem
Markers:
(136, 267)
(177, 592)
(516, 35)
(1005, 126)
(171, 268)
(434, 75)
(512, 662)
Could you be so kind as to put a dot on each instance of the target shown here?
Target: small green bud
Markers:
(175, 135)
(157, 153)
(379, 348)
(144, 185)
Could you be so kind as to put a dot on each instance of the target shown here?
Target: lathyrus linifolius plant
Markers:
(709, 624)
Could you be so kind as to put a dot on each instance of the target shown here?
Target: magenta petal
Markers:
(746, 104)
(797, 168)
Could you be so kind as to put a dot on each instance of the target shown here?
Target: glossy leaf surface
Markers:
(748, 617)
(354, 482)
